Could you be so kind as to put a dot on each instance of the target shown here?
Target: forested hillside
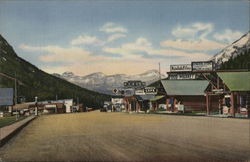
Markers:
(35, 82)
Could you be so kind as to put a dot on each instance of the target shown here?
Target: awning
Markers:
(185, 87)
(144, 97)
(156, 98)
(236, 81)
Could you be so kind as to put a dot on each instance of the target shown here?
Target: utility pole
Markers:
(159, 77)
(16, 96)
(159, 71)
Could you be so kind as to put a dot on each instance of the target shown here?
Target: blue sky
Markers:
(120, 36)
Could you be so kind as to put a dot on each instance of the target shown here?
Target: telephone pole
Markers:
(159, 71)
(16, 96)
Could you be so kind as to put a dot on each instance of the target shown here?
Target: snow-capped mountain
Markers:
(233, 50)
(106, 83)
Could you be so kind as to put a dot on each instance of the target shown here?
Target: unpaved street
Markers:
(99, 136)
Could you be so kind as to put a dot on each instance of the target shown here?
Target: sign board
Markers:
(182, 76)
(202, 66)
(134, 84)
(181, 67)
(6, 96)
(115, 91)
(180, 107)
(150, 90)
(115, 101)
(139, 92)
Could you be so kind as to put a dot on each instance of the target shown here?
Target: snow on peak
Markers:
(233, 50)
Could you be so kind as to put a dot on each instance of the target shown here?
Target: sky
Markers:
(122, 36)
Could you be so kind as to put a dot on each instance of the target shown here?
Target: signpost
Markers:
(202, 66)
(139, 92)
(181, 67)
(115, 91)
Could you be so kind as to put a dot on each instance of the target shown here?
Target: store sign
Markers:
(181, 67)
(139, 92)
(115, 101)
(150, 90)
(6, 96)
(202, 66)
(182, 76)
(134, 84)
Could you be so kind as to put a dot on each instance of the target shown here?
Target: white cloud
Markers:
(142, 45)
(87, 40)
(193, 45)
(59, 54)
(113, 28)
(83, 62)
(195, 30)
(228, 36)
(115, 37)
(193, 37)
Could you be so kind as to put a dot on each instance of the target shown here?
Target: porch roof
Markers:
(185, 87)
(236, 81)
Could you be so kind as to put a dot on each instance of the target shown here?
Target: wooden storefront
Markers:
(189, 93)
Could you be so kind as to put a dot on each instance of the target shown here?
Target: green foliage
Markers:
(4, 121)
(240, 62)
(40, 84)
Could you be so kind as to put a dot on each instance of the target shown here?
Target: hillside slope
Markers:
(34, 82)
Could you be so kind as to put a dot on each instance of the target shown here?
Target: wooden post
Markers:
(218, 82)
(137, 106)
(174, 104)
(232, 112)
(207, 103)
(167, 102)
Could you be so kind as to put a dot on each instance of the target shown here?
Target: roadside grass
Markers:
(4, 121)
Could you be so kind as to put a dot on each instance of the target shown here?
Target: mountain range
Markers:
(106, 83)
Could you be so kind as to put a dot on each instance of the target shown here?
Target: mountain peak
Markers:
(233, 50)
(97, 74)
(68, 74)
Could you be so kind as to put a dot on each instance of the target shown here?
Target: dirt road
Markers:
(99, 136)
